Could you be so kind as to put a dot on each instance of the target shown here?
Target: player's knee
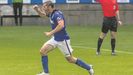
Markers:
(113, 36)
(102, 35)
(71, 60)
(43, 52)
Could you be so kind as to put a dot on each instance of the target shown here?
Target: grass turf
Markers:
(19, 51)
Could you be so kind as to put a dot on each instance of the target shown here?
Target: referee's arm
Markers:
(118, 15)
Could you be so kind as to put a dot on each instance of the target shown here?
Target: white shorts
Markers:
(64, 46)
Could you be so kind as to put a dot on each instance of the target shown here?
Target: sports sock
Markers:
(82, 64)
(45, 64)
(99, 44)
(113, 44)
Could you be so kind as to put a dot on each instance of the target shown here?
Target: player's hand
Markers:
(35, 7)
(48, 34)
(120, 23)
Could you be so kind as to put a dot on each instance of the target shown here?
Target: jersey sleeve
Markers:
(58, 17)
(117, 7)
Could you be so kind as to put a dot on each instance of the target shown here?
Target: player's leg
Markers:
(43, 51)
(46, 48)
(100, 41)
(80, 63)
(66, 49)
(104, 31)
(15, 13)
(20, 13)
(101, 37)
(113, 30)
(113, 41)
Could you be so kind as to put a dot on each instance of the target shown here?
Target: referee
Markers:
(17, 5)
(110, 22)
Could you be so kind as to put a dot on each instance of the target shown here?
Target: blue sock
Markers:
(82, 64)
(45, 64)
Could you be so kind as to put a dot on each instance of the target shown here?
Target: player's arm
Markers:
(118, 15)
(58, 28)
(39, 10)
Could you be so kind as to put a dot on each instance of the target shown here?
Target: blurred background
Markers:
(20, 45)
(77, 12)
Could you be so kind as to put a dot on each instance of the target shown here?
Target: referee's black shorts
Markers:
(109, 23)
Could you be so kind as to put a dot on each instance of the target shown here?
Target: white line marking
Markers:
(102, 49)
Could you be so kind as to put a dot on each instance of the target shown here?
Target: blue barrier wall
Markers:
(65, 1)
(85, 1)
(131, 1)
(36, 1)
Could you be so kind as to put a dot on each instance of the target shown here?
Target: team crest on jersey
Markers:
(59, 18)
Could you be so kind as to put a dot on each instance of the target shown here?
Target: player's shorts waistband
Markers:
(114, 17)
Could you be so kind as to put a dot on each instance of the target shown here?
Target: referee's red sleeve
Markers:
(117, 7)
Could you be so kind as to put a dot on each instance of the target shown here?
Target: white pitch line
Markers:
(102, 49)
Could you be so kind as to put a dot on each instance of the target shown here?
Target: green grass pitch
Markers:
(19, 51)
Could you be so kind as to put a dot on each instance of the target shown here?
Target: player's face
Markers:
(46, 8)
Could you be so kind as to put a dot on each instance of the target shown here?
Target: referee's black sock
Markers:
(113, 44)
(99, 44)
